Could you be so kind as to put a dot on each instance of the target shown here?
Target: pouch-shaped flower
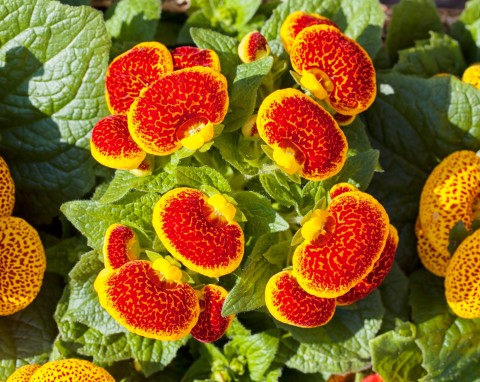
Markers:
(253, 47)
(71, 370)
(23, 374)
(190, 56)
(7, 190)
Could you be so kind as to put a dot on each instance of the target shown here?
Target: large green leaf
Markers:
(27, 336)
(342, 345)
(411, 20)
(130, 22)
(413, 122)
(360, 20)
(53, 59)
(467, 30)
(449, 344)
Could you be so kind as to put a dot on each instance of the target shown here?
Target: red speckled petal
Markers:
(252, 47)
(290, 116)
(211, 326)
(134, 70)
(462, 279)
(435, 261)
(190, 56)
(7, 190)
(344, 120)
(329, 266)
(71, 370)
(23, 374)
(449, 196)
(290, 304)
(341, 188)
(298, 21)
(22, 264)
(137, 297)
(120, 246)
(378, 273)
(112, 145)
(345, 62)
(180, 221)
(176, 99)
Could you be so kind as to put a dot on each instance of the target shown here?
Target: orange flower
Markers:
(190, 56)
(290, 304)
(253, 47)
(7, 190)
(199, 231)
(334, 68)
(304, 136)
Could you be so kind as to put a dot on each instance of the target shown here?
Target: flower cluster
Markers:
(160, 101)
(348, 250)
(449, 196)
(61, 371)
(22, 256)
(151, 298)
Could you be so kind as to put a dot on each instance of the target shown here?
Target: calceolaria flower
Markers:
(449, 196)
(23, 374)
(462, 278)
(199, 231)
(149, 299)
(304, 136)
(179, 109)
(471, 75)
(298, 21)
(211, 325)
(253, 47)
(7, 190)
(69, 370)
(132, 71)
(334, 68)
(289, 303)
(342, 244)
(190, 56)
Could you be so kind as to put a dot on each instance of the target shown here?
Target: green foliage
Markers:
(467, 31)
(51, 74)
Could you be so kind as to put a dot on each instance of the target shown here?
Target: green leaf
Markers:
(411, 20)
(249, 291)
(259, 349)
(342, 345)
(244, 10)
(243, 91)
(62, 256)
(467, 30)
(27, 336)
(360, 20)
(439, 54)
(53, 59)
(448, 343)
(93, 218)
(130, 22)
(210, 358)
(396, 357)
(153, 355)
(201, 176)
(231, 147)
(224, 46)
(413, 122)
(261, 217)
(394, 293)
(279, 187)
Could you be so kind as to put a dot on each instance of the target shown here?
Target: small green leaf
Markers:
(279, 187)
(53, 59)
(201, 176)
(412, 20)
(243, 92)
(62, 256)
(210, 359)
(342, 345)
(27, 336)
(395, 355)
(249, 291)
(93, 218)
(232, 148)
(261, 217)
(130, 22)
(439, 54)
(466, 30)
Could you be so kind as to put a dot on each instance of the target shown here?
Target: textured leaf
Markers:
(360, 20)
(27, 336)
(53, 59)
(279, 187)
(448, 343)
(342, 345)
(467, 30)
(201, 176)
(411, 20)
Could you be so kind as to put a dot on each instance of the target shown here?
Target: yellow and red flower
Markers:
(190, 56)
(7, 190)
(199, 231)
(68, 370)
(179, 109)
(471, 75)
(304, 136)
(211, 325)
(253, 47)
(334, 68)
(289, 303)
